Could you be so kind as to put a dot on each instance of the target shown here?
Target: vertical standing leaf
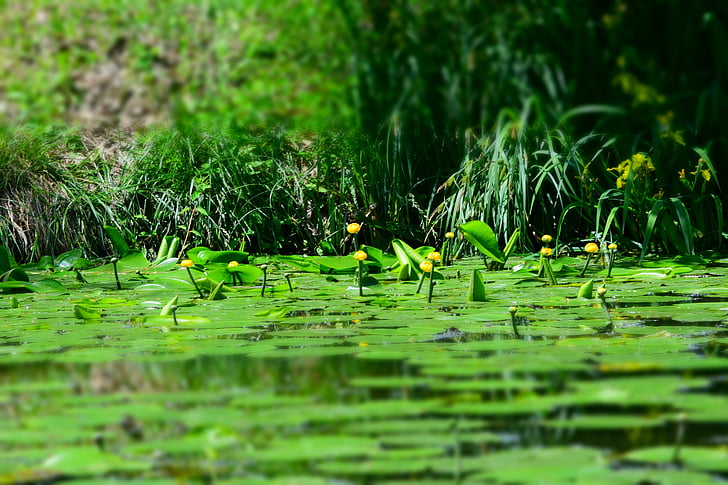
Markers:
(477, 287)
(480, 235)
(117, 240)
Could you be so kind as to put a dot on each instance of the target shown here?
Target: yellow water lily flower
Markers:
(546, 238)
(591, 248)
(233, 264)
(186, 263)
(360, 255)
(426, 266)
(449, 235)
(546, 251)
(434, 256)
(612, 246)
(353, 228)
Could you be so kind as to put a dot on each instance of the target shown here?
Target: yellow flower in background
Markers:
(639, 163)
(681, 174)
(434, 256)
(591, 248)
(546, 238)
(233, 264)
(547, 251)
(353, 228)
(186, 263)
(426, 266)
(612, 246)
(360, 255)
(449, 235)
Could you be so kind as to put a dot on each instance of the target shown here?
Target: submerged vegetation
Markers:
(363, 242)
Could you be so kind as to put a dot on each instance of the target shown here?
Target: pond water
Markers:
(320, 385)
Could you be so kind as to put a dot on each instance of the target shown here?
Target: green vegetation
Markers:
(421, 116)
(336, 372)
(217, 221)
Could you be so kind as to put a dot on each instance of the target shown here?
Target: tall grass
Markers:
(522, 175)
(269, 191)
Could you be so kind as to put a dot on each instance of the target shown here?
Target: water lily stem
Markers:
(174, 314)
(586, 265)
(265, 279)
(610, 324)
(419, 285)
(288, 280)
(432, 286)
(546, 266)
(514, 321)
(194, 283)
(359, 277)
(612, 254)
(116, 273)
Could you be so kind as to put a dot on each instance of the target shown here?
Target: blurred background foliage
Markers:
(275, 123)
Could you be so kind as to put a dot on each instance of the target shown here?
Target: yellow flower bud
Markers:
(512, 309)
(546, 251)
(612, 246)
(353, 228)
(360, 255)
(426, 266)
(233, 264)
(434, 256)
(546, 239)
(449, 235)
(186, 263)
(591, 248)
(601, 291)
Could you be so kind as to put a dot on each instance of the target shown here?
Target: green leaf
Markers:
(90, 460)
(167, 249)
(14, 274)
(6, 259)
(83, 312)
(685, 225)
(216, 292)
(203, 255)
(336, 264)
(476, 291)
(374, 257)
(586, 290)
(72, 259)
(480, 235)
(650, 226)
(117, 240)
(511, 244)
(167, 309)
(246, 272)
(407, 256)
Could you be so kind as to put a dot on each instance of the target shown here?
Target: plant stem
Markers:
(586, 265)
(265, 279)
(445, 253)
(612, 254)
(432, 285)
(116, 273)
(194, 283)
(288, 280)
(174, 314)
(549, 271)
(514, 322)
(360, 272)
(419, 285)
(610, 324)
